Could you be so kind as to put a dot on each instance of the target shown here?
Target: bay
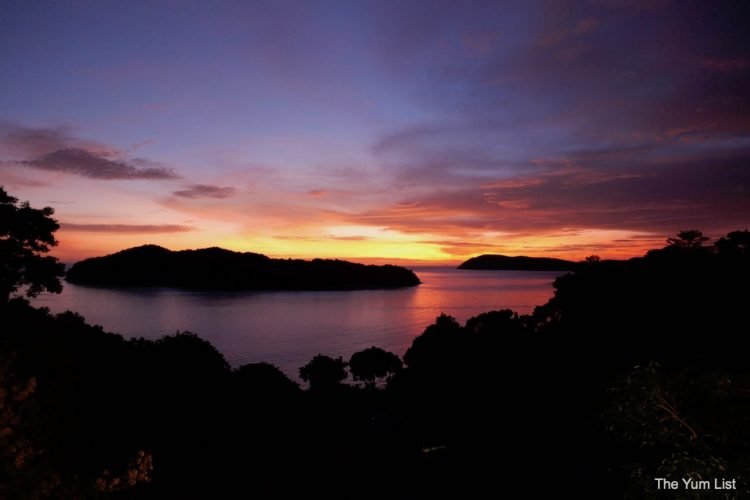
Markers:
(288, 328)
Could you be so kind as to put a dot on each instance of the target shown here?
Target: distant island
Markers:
(506, 263)
(220, 269)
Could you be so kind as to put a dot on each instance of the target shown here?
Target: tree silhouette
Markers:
(25, 235)
(323, 372)
(438, 345)
(373, 363)
(734, 243)
(691, 239)
(264, 381)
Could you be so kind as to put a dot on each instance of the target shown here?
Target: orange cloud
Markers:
(124, 228)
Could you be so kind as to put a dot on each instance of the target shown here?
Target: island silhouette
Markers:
(219, 269)
(519, 263)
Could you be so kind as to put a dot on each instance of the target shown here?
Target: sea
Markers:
(288, 328)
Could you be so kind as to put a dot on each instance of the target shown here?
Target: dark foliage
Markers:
(439, 345)
(373, 364)
(736, 243)
(662, 307)
(26, 234)
(689, 240)
(324, 372)
(216, 268)
(265, 381)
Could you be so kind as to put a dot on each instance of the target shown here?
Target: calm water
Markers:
(289, 328)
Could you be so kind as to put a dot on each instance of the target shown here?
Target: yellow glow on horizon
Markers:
(332, 248)
(372, 244)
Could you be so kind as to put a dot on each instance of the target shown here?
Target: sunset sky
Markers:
(379, 130)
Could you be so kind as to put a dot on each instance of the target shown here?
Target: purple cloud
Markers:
(641, 194)
(97, 166)
(205, 191)
(34, 141)
(55, 149)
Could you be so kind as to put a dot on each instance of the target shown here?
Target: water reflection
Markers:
(288, 328)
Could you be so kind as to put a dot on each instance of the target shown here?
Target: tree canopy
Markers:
(323, 372)
(373, 363)
(735, 243)
(690, 239)
(26, 234)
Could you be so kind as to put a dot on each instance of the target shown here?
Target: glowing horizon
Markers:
(357, 249)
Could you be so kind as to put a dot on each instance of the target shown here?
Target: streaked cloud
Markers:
(321, 238)
(347, 238)
(97, 166)
(125, 228)
(34, 141)
(205, 191)
(55, 149)
(655, 195)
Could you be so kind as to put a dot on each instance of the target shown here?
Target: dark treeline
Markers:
(217, 268)
(633, 370)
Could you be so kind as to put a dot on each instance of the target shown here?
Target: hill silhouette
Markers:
(520, 263)
(217, 268)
